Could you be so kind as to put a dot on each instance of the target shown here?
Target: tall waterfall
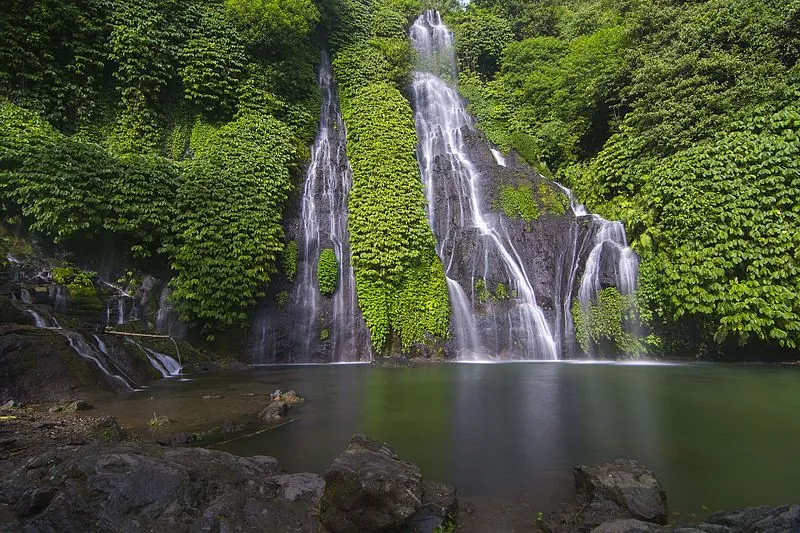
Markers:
(458, 213)
(317, 327)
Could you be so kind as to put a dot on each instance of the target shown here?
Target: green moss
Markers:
(289, 260)
(282, 298)
(482, 290)
(501, 293)
(601, 324)
(518, 202)
(553, 200)
(325, 334)
(327, 272)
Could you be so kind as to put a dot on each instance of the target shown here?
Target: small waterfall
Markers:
(78, 343)
(38, 321)
(610, 244)
(324, 224)
(457, 213)
(499, 157)
(25, 296)
(101, 345)
(167, 366)
(120, 311)
(608, 251)
(164, 309)
(60, 299)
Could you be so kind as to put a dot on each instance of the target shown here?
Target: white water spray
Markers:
(456, 210)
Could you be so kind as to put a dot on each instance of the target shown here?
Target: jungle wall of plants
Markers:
(400, 281)
(174, 126)
(679, 118)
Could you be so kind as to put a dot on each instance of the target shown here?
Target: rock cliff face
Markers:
(553, 248)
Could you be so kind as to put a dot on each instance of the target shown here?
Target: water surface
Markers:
(717, 436)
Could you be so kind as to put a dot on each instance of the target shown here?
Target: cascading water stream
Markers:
(167, 366)
(324, 224)
(89, 352)
(457, 210)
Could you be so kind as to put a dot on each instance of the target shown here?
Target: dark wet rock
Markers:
(47, 424)
(781, 518)
(628, 525)
(274, 411)
(144, 487)
(368, 488)
(106, 428)
(621, 489)
(299, 487)
(440, 505)
(177, 439)
(76, 406)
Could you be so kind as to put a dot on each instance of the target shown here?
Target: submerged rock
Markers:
(368, 488)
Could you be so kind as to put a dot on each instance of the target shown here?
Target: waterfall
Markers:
(608, 251)
(25, 296)
(324, 225)
(457, 213)
(89, 352)
(610, 243)
(167, 366)
(498, 156)
(38, 321)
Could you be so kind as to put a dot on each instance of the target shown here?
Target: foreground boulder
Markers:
(620, 490)
(369, 489)
(145, 487)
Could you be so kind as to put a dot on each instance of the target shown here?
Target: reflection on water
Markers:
(717, 436)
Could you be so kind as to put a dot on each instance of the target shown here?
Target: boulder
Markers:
(628, 525)
(135, 487)
(781, 518)
(274, 410)
(368, 488)
(440, 507)
(76, 406)
(619, 490)
(299, 487)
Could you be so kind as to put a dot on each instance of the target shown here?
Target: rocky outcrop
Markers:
(38, 366)
(127, 487)
(623, 496)
(144, 487)
(620, 490)
(368, 488)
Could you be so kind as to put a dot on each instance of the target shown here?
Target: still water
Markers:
(717, 436)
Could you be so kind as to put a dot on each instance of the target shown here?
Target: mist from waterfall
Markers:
(457, 210)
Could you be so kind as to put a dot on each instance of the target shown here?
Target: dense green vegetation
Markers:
(400, 280)
(600, 327)
(179, 129)
(327, 272)
(679, 118)
(174, 126)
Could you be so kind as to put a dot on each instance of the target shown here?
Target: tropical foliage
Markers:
(678, 118)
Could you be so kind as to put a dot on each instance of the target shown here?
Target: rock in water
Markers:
(275, 410)
(369, 489)
(624, 487)
(619, 490)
